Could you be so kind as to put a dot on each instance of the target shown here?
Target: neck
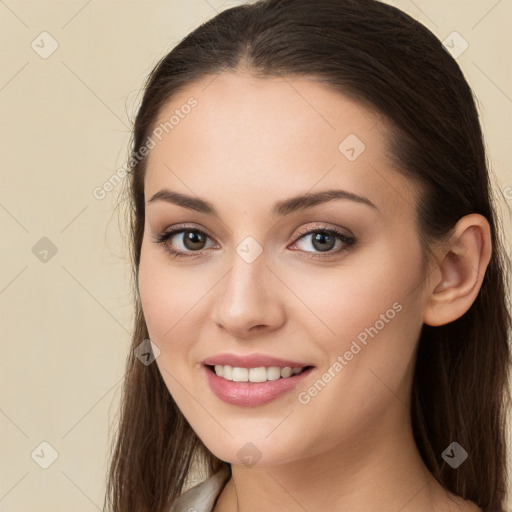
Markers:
(379, 468)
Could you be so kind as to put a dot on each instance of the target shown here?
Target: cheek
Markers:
(376, 281)
(371, 317)
(167, 294)
(167, 300)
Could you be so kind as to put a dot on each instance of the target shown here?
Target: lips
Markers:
(252, 361)
(250, 394)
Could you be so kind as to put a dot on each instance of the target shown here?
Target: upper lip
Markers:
(252, 361)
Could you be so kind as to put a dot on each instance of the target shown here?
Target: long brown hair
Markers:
(383, 59)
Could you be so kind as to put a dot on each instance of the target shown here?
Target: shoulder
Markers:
(201, 497)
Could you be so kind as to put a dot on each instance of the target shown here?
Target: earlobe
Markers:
(461, 267)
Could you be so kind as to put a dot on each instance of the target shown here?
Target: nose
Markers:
(248, 300)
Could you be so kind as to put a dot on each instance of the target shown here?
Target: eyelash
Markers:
(166, 235)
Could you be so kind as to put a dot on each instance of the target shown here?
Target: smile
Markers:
(251, 387)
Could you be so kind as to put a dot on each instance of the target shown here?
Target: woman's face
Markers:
(265, 276)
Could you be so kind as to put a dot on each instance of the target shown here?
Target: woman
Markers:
(317, 265)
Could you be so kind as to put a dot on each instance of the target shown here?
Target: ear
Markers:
(459, 272)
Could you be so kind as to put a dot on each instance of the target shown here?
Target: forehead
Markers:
(265, 137)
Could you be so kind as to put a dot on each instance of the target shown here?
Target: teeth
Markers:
(286, 372)
(240, 374)
(260, 374)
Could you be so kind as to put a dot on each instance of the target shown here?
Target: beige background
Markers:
(64, 129)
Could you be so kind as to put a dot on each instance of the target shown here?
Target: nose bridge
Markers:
(247, 298)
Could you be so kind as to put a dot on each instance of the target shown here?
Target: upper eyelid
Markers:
(324, 227)
(319, 227)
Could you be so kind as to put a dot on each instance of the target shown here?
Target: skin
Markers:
(248, 143)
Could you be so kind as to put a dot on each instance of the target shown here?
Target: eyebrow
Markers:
(279, 208)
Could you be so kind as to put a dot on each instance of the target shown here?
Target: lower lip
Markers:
(251, 394)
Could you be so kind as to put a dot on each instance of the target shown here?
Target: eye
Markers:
(323, 240)
(190, 239)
